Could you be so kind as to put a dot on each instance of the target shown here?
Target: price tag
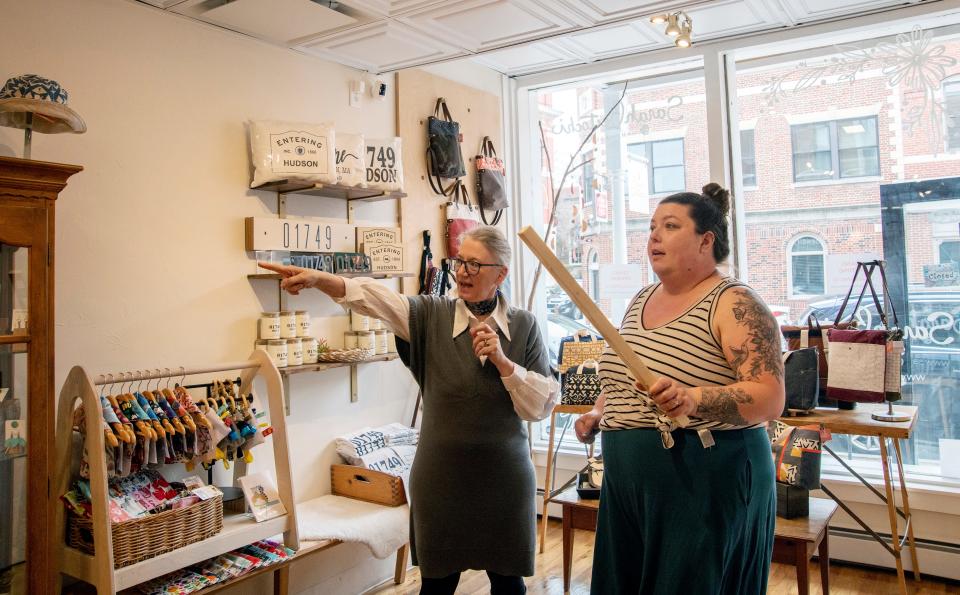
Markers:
(299, 235)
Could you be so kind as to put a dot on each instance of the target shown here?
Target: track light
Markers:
(679, 26)
(673, 27)
(683, 40)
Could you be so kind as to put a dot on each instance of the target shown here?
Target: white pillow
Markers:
(384, 163)
(292, 151)
(350, 169)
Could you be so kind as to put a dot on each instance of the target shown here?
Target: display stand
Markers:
(350, 195)
(548, 493)
(238, 529)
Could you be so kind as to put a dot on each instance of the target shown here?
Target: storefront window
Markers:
(852, 167)
(652, 145)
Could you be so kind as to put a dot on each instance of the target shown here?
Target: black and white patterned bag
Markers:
(581, 384)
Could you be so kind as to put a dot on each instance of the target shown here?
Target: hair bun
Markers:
(719, 195)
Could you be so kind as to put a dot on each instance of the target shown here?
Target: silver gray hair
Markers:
(494, 241)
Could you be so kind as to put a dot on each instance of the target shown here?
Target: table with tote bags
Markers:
(861, 369)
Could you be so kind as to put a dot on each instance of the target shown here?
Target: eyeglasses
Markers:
(472, 266)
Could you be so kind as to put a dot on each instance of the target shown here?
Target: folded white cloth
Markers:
(367, 440)
(381, 528)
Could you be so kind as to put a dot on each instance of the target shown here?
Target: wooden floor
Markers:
(844, 580)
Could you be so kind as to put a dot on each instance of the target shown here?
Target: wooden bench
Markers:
(796, 540)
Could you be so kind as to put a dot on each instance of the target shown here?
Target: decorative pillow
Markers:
(292, 151)
(350, 168)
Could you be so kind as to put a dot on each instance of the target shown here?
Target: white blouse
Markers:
(534, 395)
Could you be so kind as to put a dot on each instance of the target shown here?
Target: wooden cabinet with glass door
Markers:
(28, 191)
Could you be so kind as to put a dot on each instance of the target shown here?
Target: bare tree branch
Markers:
(570, 169)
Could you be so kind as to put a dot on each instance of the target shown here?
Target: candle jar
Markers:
(303, 323)
(359, 322)
(310, 350)
(269, 327)
(288, 325)
(381, 341)
(294, 352)
(277, 349)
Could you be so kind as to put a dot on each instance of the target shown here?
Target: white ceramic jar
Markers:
(310, 350)
(359, 322)
(391, 342)
(366, 340)
(288, 325)
(269, 325)
(303, 323)
(294, 352)
(277, 349)
(381, 341)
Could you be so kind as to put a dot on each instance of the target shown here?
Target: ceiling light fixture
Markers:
(673, 25)
(679, 26)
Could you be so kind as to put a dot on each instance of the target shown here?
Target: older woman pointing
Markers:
(483, 370)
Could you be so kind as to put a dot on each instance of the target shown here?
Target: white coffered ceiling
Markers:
(511, 36)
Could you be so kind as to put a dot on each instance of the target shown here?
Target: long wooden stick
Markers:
(590, 310)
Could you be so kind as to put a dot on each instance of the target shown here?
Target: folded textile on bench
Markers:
(384, 529)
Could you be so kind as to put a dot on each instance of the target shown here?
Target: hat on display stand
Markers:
(33, 103)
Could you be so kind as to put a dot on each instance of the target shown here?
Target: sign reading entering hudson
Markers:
(387, 258)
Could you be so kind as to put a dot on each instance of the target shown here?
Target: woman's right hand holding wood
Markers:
(588, 425)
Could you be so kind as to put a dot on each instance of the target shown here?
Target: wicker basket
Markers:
(139, 539)
(345, 355)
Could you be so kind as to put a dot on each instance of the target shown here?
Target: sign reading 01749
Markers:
(298, 235)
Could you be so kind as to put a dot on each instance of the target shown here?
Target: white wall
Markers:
(150, 262)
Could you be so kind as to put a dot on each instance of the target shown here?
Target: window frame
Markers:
(834, 126)
(791, 289)
(753, 150)
(954, 82)
(651, 168)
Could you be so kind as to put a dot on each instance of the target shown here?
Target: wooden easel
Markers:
(548, 493)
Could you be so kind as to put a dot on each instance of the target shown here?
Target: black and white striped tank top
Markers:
(684, 349)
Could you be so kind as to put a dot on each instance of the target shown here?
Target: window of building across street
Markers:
(748, 158)
(837, 149)
(806, 266)
(664, 158)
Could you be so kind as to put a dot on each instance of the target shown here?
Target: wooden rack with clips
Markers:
(238, 529)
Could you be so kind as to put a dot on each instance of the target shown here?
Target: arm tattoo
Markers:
(764, 339)
(720, 403)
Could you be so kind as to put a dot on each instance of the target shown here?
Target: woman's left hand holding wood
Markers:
(673, 398)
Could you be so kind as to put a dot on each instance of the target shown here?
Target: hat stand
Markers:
(890, 415)
(28, 136)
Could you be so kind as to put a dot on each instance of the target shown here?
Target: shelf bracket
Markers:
(354, 385)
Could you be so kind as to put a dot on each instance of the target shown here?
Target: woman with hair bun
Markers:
(689, 510)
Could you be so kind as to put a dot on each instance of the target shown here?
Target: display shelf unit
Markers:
(320, 367)
(277, 277)
(238, 530)
(350, 194)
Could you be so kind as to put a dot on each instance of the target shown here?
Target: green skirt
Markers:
(687, 520)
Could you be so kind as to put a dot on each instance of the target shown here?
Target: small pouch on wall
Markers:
(796, 453)
(801, 379)
(461, 216)
(292, 151)
(491, 194)
(581, 384)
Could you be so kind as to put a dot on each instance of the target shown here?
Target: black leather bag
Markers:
(490, 183)
(801, 374)
(444, 159)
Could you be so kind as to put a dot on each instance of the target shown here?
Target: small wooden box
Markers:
(366, 484)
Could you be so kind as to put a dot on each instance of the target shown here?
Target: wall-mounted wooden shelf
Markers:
(349, 193)
(277, 277)
(320, 367)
